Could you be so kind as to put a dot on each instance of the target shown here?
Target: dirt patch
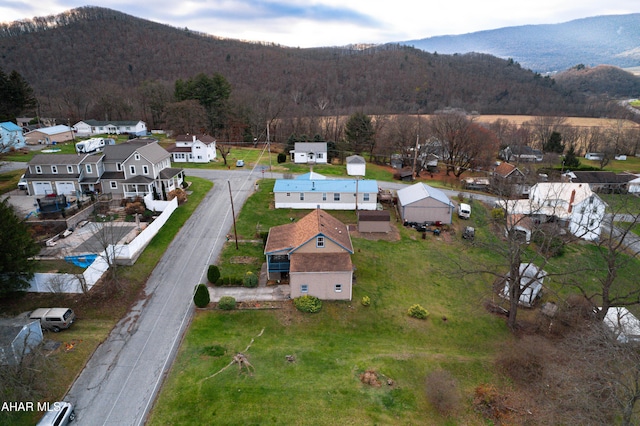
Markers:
(392, 235)
(243, 260)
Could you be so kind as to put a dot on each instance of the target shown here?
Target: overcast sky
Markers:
(309, 23)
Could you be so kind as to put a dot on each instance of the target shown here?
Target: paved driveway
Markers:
(119, 383)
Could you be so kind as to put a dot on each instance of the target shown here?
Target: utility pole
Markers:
(233, 213)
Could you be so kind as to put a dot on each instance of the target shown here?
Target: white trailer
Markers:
(90, 145)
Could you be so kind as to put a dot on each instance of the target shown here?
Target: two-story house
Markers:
(137, 168)
(508, 181)
(11, 136)
(309, 152)
(315, 254)
(573, 205)
(193, 149)
(101, 127)
(127, 170)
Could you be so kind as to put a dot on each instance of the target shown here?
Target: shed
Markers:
(49, 135)
(18, 337)
(532, 279)
(356, 165)
(374, 221)
(624, 325)
(422, 203)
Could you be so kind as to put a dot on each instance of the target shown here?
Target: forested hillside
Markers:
(98, 63)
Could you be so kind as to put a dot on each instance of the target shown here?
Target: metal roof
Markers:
(419, 191)
(325, 185)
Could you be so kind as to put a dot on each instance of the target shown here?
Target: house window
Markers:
(119, 167)
(324, 196)
(88, 167)
(132, 170)
(145, 170)
(113, 184)
(320, 242)
(582, 210)
(54, 169)
(137, 157)
(592, 223)
(590, 200)
(288, 194)
(302, 196)
(595, 210)
(336, 196)
(69, 169)
(38, 169)
(338, 288)
(320, 155)
(304, 288)
(365, 197)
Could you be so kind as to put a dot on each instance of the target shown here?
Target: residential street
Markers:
(122, 378)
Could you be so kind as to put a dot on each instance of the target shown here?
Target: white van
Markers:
(464, 211)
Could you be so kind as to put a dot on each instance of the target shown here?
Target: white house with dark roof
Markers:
(422, 203)
(101, 127)
(309, 153)
(356, 165)
(193, 149)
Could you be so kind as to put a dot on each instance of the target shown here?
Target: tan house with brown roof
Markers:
(315, 254)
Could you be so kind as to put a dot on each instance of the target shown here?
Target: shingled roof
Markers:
(289, 237)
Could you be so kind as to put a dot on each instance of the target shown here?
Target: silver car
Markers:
(59, 413)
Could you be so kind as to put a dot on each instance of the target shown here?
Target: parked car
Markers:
(22, 183)
(240, 163)
(54, 319)
(59, 413)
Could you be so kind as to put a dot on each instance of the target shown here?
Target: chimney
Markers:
(194, 137)
(573, 197)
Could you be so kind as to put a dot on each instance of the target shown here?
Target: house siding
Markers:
(427, 210)
(322, 284)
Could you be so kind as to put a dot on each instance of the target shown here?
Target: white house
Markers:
(11, 136)
(326, 194)
(193, 149)
(101, 127)
(356, 165)
(309, 152)
(573, 204)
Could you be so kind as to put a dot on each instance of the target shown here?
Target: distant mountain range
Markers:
(612, 40)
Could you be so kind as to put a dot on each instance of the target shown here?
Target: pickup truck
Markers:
(54, 319)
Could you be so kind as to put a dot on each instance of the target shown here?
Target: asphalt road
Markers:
(121, 380)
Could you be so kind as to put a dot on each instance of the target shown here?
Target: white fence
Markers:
(124, 254)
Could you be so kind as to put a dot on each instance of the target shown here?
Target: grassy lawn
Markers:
(631, 164)
(9, 180)
(332, 348)
(98, 311)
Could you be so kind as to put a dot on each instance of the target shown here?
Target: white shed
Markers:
(532, 279)
(18, 336)
(356, 165)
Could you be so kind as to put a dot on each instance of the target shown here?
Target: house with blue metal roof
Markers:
(326, 194)
(422, 203)
(11, 136)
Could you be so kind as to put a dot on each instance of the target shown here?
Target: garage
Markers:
(42, 188)
(66, 188)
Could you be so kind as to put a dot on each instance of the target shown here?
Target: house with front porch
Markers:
(101, 127)
(314, 254)
(137, 168)
(309, 153)
(193, 149)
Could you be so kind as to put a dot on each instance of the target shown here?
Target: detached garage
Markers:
(421, 203)
(374, 221)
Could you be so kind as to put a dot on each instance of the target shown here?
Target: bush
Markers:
(213, 274)
(307, 303)
(227, 303)
(498, 214)
(417, 311)
(178, 193)
(366, 301)
(230, 281)
(133, 208)
(282, 157)
(442, 392)
(201, 296)
(250, 280)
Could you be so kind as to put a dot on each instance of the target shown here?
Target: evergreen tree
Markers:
(359, 132)
(571, 159)
(17, 247)
(554, 144)
(16, 96)
(211, 92)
